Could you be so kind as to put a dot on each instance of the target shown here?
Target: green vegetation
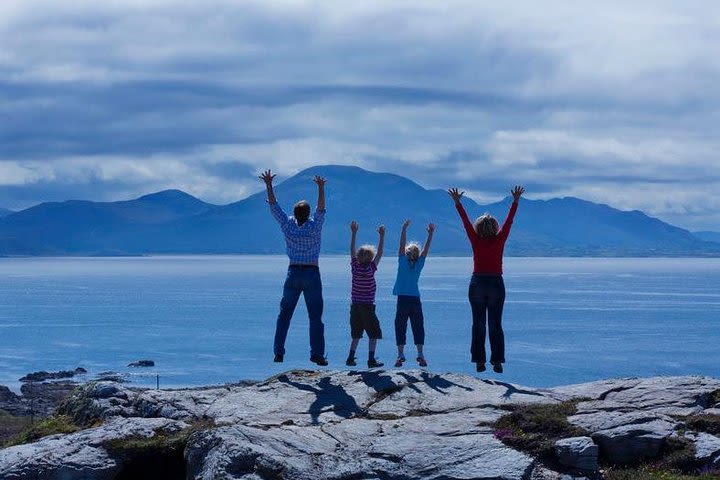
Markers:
(80, 408)
(160, 442)
(48, 426)
(703, 422)
(653, 473)
(534, 428)
(11, 426)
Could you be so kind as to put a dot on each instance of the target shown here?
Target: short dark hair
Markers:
(301, 211)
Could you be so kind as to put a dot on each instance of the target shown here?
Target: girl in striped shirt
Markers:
(363, 264)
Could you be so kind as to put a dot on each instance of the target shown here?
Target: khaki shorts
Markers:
(363, 319)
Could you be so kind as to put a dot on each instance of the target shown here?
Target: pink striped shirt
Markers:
(363, 282)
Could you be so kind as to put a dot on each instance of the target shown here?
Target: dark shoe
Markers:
(374, 363)
(480, 367)
(322, 361)
(350, 362)
(399, 362)
(278, 358)
(421, 361)
(497, 368)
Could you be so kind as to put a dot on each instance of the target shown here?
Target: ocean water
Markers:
(210, 319)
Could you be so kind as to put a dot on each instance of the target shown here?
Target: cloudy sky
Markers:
(616, 102)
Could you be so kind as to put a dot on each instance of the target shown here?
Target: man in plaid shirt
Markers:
(302, 240)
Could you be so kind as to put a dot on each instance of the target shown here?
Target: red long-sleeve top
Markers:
(487, 252)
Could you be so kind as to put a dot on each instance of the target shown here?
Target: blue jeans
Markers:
(409, 307)
(487, 298)
(303, 279)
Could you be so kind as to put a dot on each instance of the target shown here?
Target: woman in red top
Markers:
(487, 289)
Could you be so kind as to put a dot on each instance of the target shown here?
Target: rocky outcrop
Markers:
(39, 399)
(81, 455)
(43, 375)
(142, 363)
(369, 424)
(577, 453)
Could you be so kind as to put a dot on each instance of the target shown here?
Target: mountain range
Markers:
(172, 221)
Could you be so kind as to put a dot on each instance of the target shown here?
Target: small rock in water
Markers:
(142, 363)
(42, 375)
(111, 377)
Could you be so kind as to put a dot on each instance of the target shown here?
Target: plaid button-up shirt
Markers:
(302, 241)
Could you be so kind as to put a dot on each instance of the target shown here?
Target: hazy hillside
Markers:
(708, 236)
(175, 222)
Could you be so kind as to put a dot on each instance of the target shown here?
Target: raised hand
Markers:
(354, 226)
(320, 181)
(267, 176)
(517, 192)
(431, 228)
(381, 229)
(406, 224)
(455, 194)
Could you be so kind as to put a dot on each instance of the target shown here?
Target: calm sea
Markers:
(208, 320)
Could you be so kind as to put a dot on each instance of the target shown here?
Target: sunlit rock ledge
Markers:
(373, 424)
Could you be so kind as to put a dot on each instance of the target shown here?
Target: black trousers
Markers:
(487, 297)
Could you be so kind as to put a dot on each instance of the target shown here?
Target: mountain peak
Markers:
(170, 195)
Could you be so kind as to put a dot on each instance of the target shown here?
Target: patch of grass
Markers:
(48, 426)
(653, 473)
(80, 408)
(160, 442)
(714, 397)
(534, 428)
(11, 426)
(703, 422)
(677, 455)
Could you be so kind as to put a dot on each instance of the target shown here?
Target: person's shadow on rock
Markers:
(378, 381)
(326, 395)
(436, 382)
(512, 389)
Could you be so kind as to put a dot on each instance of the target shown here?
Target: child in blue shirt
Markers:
(410, 265)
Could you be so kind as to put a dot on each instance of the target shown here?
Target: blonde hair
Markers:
(365, 254)
(486, 226)
(412, 251)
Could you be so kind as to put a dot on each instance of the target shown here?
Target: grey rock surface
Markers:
(79, 455)
(631, 418)
(707, 447)
(578, 453)
(367, 424)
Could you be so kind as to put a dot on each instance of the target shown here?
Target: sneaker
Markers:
(322, 361)
(497, 368)
(278, 358)
(400, 360)
(421, 361)
(480, 367)
(350, 362)
(374, 363)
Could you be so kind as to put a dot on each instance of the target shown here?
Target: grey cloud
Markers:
(214, 91)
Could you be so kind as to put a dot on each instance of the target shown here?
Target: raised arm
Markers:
(381, 244)
(456, 195)
(403, 237)
(516, 192)
(320, 182)
(267, 176)
(426, 248)
(353, 229)
(277, 211)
